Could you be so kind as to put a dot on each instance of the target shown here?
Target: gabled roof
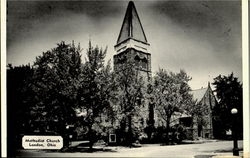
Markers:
(198, 94)
(131, 27)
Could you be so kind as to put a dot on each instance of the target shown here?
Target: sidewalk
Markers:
(199, 141)
(193, 150)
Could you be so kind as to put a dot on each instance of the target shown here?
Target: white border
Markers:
(3, 80)
(245, 61)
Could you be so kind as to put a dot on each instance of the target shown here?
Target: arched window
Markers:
(137, 60)
(144, 62)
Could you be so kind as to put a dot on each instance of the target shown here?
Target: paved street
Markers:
(198, 150)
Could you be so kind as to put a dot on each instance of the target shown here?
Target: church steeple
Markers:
(132, 44)
(131, 34)
(131, 27)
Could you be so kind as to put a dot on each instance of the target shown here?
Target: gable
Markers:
(199, 93)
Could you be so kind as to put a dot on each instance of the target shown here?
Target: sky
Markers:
(201, 37)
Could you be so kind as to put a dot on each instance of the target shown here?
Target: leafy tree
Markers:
(58, 85)
(171, 95)
(229, 93)
(96, 91)
(54, 88)
(17, 77)
(150, 120)
(130, 99)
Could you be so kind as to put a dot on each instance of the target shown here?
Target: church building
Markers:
(203, 127)
(132, 45)
(200, 127)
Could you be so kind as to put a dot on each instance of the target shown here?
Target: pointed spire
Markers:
(131, 27)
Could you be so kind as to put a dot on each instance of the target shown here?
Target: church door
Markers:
(199, 130)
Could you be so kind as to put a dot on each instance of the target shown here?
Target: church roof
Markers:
(131, 27)
(198, 94)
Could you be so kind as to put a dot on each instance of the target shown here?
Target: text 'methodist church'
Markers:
(132, 44)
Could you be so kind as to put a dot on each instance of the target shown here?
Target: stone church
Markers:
(132, 44)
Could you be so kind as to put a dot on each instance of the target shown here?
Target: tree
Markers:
(150, 120)
(54, 86)
(60, 85)
(229, 92)
(131, 88)
(171, 95)
(96, 90)
(17, 77)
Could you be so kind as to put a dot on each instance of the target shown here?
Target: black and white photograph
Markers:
(124, 78)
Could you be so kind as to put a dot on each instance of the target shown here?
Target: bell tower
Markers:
(132, 44)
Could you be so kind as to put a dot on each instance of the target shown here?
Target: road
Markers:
(201, 150)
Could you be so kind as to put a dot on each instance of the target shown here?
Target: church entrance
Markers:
(199, 130)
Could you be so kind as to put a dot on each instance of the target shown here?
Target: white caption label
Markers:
(42, 142)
